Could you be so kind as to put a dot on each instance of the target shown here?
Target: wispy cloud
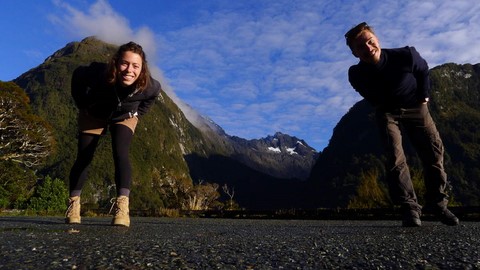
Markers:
(276, 68)
(443, 31)
(102, 21)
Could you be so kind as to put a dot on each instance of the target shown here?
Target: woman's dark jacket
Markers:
(399, 80)
(91, 92)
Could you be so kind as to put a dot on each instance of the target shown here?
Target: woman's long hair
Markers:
(143, 79)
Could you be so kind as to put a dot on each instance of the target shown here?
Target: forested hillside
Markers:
(25, 142)
(350, 172)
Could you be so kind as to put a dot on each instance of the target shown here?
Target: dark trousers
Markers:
(420, 128)
(87, 144)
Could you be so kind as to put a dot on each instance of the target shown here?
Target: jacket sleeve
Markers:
(359, 81)
(153, 92)
(421, 73)
(79, 87)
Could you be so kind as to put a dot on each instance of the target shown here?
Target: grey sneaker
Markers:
(120, 211)
(411, 218)
(72, 216)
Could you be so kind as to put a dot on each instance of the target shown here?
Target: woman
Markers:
(112, 96)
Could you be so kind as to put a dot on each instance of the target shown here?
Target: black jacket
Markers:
(101, 100)
(399, 80)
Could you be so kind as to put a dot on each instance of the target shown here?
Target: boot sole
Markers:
(72, 220)
(123, 223)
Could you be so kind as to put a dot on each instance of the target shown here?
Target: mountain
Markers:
(267, 173)
(354, 156)
(280, 155)
(169, 149)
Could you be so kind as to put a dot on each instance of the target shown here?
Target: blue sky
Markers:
(254, 67)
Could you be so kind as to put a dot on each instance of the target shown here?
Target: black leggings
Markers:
(87, 143)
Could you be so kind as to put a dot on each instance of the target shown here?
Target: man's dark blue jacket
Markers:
(399, 80)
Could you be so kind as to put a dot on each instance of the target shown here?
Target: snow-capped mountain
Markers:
(280, 155)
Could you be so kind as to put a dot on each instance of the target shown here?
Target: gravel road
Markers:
(195, 243)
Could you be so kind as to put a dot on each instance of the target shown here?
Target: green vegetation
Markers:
(25, 137)
(370, 193)
(25, 143)
(16, 185)
(50, 197)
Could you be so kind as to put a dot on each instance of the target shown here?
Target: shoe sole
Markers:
(450, 222)
(411, 225)
(72, 221)
(123, 223)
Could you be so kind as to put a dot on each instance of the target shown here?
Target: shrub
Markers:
(49, 197)
(370, 193)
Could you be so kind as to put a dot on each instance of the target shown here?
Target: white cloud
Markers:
(442, 31)
(103, 22)
(100, 21)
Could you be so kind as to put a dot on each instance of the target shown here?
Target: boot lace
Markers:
(116, 206)
(72, 208)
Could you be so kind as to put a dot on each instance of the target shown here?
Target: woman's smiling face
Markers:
(129, 68)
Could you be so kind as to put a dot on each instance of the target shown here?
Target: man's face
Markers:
(366, 47)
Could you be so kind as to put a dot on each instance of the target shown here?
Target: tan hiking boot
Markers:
(72, 216)
(120, 212)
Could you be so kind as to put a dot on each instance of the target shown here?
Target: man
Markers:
(396, 83)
